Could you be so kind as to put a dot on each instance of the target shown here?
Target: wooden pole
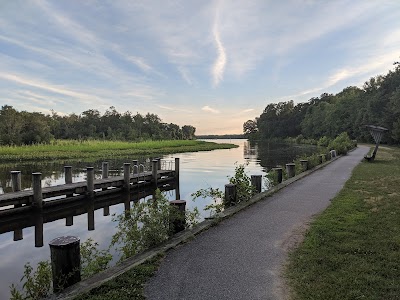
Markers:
(159, 163)
(304, 164)
(256, 182)
(279, 172)
(127, 176)
(90, 181)
(135, 166)
(177, 220)
(177, 168)
(290, 169)
(104, 169)
(38, 228)
(68, 174)
(37, 190)
(16, 187)
(230, 195)
(65, 262)
(69, 221)
(154, 169)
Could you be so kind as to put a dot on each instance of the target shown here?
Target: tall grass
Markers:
(70, 149)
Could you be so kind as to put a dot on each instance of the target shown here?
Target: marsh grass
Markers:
(74, 149)
(352, 250)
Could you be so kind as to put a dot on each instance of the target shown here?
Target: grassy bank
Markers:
(352, 250)
(71, 149)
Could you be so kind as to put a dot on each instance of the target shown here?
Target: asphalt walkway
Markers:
(241, 258)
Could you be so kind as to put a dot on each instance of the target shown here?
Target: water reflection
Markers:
(198, 170)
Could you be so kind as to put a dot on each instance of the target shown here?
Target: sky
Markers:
(209, 64)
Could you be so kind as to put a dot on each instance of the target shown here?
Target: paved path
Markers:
(241, 257)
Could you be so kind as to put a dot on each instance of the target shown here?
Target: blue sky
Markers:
(210, 64)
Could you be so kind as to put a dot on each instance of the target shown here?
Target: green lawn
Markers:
(72, 149)
(352, 250)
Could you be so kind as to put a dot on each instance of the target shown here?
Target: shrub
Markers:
(341, 143)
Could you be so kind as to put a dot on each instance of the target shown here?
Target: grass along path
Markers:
(72, 149)
(352, 250)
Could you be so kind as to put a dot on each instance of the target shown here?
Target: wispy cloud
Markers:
(185, 75)
(210, 109)
(220, 62)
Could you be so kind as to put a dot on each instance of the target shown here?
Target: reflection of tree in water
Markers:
(250, 150)
(272, 154)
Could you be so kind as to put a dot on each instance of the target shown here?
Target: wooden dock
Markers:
(25, 208)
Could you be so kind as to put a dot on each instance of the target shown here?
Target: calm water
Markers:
(197, 170)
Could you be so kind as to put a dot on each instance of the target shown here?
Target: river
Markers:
(198, 170)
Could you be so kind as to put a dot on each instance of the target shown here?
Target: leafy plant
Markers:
(36, 284)
(341, 143)
(244, 188)
(93, 260)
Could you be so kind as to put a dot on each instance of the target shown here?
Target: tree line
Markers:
(376, 103)
(25, 128)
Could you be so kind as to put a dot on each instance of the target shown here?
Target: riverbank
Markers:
(72, 149)
(352, 250)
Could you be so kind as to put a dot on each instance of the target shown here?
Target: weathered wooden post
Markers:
(16, 187)
(159, 163)
(38, 206)
(90, 194)
(279, 174)
(104, 175)
(68, 174)
(104, 169)
(154, 169)
(230, 195)
(290, 169)
(256, 182)
(127, 176)
(65, 262)
(333, 153)
(177, 220)
(37, 190)
(177, 168)
(135, 167)
(304, 164)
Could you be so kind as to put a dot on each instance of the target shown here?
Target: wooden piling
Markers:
(177, 220)
(69, 221)
(230, 195)
(177, 168)
(159, 163)
(127, 176)
(290, 169)
(68, 174)
(279, 174)
(65, 262)
(16, 187)
(106, 211)
(154, 169)
(38, 228)
(333, 153)
(256, 182)
(90, 181)
(37, 190)
(135, 167)
(104, 169)
(304, 164)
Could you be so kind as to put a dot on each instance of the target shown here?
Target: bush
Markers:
(341, 144)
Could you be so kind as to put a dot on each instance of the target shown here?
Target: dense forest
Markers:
(24, 128)
(377, 103)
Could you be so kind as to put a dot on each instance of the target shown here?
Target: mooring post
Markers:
(127, 176)
(178, 220)
(279, 174)
(256, 182)
(177, 168)
(65, 262)
(16, 187)
(333, 153)
(230, 194)
(37, 190)
(135, 167)
(290, 169)
(104, 169)
(154, 169)
(304, 164)
(68, 174)
(159, 163)
(90, 181)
